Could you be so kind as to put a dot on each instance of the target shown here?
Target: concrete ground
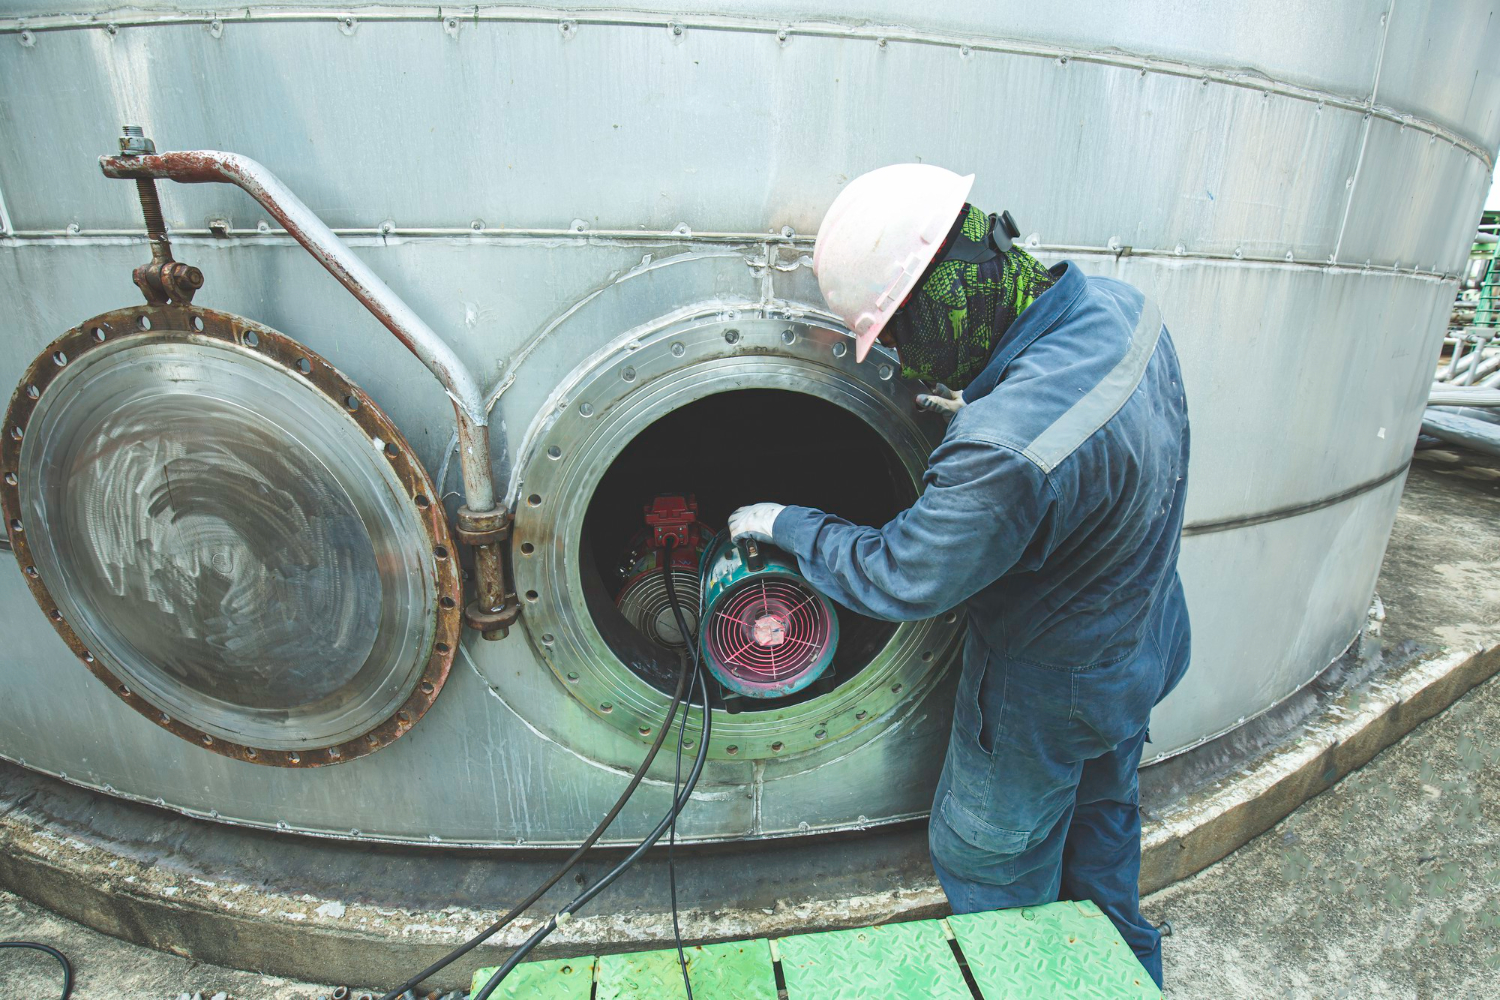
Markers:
(106, 968)
(1387, 885)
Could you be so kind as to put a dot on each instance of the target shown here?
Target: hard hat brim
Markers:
(867, 262)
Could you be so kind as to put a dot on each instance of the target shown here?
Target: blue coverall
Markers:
(1052, 510)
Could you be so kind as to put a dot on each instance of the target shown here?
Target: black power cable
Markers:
(669, 820)
(67, 967)
(583, 898)
(588, 842)
(692, 642)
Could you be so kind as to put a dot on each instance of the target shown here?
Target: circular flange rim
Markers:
(624, 375)
(147, 324)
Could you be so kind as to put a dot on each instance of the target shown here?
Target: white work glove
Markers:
(754, 521)
(941, 400)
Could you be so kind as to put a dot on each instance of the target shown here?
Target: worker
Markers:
(1051, 510)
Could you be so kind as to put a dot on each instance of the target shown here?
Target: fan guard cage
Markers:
(645, 604)
(769, 635)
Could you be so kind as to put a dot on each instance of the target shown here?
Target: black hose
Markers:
(588, 842)
(583, 898)
(692, 641)
(67, 967)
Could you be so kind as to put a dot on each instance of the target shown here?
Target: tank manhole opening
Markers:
(723, 451)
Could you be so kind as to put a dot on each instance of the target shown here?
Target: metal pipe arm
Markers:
(481, 523)
(211, 166)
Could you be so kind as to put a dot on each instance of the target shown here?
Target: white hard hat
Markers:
(878, 237)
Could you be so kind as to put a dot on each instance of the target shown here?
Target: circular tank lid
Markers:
(231, 535)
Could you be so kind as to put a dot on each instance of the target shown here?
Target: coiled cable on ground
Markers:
(67, 967)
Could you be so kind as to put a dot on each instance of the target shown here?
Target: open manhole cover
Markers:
(231, 535)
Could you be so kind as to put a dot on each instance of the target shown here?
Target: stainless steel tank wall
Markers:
(1297, 188)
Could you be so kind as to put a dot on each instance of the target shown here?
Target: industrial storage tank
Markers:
(607, 218)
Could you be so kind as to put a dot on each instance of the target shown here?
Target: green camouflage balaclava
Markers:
(949, 326)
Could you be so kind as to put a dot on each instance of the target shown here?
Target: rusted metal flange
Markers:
(150, 325)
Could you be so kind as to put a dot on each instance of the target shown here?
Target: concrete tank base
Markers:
(332, 911)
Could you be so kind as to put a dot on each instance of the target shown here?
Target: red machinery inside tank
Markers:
(672, 535)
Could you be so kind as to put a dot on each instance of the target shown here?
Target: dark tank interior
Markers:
(727, 450)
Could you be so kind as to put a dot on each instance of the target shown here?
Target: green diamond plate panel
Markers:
(558, 979)
(889, 962)
(739, 970)
(1043, 952)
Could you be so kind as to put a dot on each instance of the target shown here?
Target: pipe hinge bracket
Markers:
(490, 623)
(495, 608)
(488, 528)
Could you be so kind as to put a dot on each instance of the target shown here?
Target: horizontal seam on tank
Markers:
(495, 848)
(625, 237)
(1281, 513)
(782, 31)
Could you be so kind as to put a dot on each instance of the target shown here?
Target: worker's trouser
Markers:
(1038, 799)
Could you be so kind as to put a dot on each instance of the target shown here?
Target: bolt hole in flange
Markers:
(724, 413)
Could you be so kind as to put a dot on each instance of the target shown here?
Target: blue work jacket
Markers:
(1052, 509)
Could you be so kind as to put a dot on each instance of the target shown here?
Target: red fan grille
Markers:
(767, 633)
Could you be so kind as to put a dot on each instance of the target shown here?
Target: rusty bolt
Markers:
(134, 142)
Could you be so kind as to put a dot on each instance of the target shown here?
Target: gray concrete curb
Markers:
(329, 939)
(1357, 725)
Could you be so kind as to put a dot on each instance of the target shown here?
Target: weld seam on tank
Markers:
(780, 30)
(6, 229)
(1245, 521)
(643, 237)
(1240, 724)
(1294, 510)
